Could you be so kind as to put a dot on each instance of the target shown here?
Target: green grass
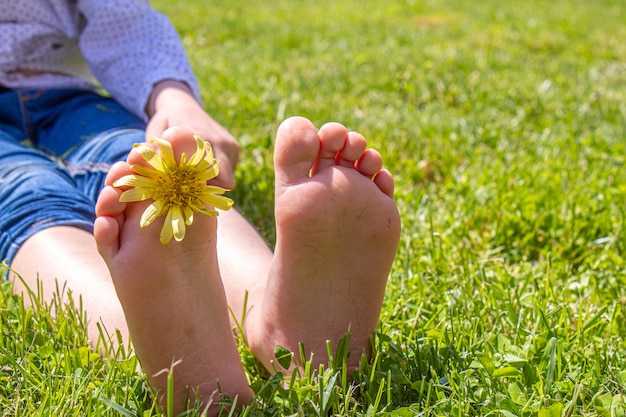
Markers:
(505, 127)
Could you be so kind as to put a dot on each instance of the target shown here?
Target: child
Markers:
(337, 228)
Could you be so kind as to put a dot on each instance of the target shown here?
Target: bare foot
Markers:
(337, 235)
(172, 295)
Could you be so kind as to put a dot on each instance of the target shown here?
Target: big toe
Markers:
(295, 150)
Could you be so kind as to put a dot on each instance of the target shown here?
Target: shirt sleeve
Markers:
(129, 48)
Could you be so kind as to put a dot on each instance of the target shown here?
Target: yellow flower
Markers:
(178, 190)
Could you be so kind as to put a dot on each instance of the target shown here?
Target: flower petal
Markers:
(178, 223)
(188, 212)
(167, 153)
(207, 171)
(148, 172)
(200, 208)
(150, 156)
(213, 189)
(136, 194)
(124, 181)
(151, 213)
(166, 231)
(217, 201)
(198, 155)
(135, 181)
(209, 148)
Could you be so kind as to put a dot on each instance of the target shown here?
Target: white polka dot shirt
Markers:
(123, 46)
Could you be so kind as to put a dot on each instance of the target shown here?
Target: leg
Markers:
(337, 235)
(172, 295)
(69, 256)
(49, 213)
(45, 231)
(52, 241)
(244, 260)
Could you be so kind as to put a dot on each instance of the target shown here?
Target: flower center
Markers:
(181, 187)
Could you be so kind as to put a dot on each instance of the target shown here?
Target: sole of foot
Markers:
(172, 295)
(337, 234)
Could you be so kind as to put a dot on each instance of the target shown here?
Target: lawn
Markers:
(504, 125)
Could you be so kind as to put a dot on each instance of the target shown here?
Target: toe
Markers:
(117, 171)
(106, 233)
(353, 150)
(295, 151)
(182, 140)
(369, 163)
(333, 138)
(106, 228)
(384, 180)
(108, 203)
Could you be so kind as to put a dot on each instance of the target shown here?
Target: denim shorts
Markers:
(56, 147)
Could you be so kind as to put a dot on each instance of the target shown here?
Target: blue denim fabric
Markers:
(56, 147)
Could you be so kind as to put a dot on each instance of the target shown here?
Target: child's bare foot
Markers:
(172, 294)
(337, 235)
